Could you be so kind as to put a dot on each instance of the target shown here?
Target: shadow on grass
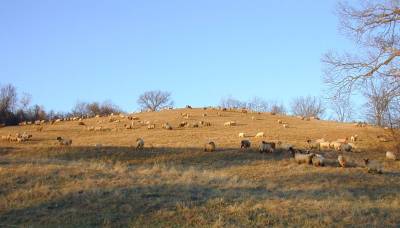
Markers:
(120, 206)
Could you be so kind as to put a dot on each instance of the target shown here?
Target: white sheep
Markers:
(280, 121)
(64, 142)
(342, 161)
(242, 135)
(285, 125)
(230, 123)
(318, 160)
(139, 143)
(260, 135)
(324, 145)
(391, 156)
(354, 138)
(209, 147)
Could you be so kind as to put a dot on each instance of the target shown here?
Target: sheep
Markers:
(230, 123)
(391, 156)
(81, 123)
(244, 144)
(183, 124)
(342, 140)
(313, 145)
(167, 126)
(207, 124)
(139, 143)
(260, 135)
(209, 147)
(285, 125)
(151, 126)
(280, 121)
(373, 166)
(354, 138)
(318, 160)
(342, 161)
(336, 145)
(64, 142)
(302, 158)
(266, 147)
(204, 114)
(195, 125)
(242, 135)
(346, 147)
(324, 145)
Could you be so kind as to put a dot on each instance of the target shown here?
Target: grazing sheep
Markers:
(183, 124)
(318, 160)
(151, 126)
(230, 123)
(313, 145)
(167, 126)
(354, 138)
(139, 143)
(285, 125)
(260, 135)
(373, 166)
(267, 147)
(391, 156)
(336, 145)
(342, 161)
(242, 135)
(280, 121)
(195, 125)
(207, 124)
(346, 147)
(209, 147)
(324, 145)
(64, 142)
(244, 144)
(301, 157)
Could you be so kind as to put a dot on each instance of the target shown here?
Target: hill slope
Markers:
(173, 182)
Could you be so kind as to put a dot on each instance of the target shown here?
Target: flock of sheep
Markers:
(309, 156)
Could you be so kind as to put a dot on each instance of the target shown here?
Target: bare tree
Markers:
(277, 108)
(342, 107)
(257, 104)
(155, 100)
(374, 28)
(8, 98)
(25, 101)
(307, 106)
(379, 99)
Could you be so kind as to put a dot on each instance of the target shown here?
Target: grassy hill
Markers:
(172, 182)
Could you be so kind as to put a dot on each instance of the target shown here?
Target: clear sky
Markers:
(94, 50)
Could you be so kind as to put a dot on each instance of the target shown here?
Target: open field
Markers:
(172, 182)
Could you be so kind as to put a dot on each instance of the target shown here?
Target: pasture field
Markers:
(174, 183)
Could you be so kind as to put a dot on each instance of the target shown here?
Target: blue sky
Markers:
(93, 50)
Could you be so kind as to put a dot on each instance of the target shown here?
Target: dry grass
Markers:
(172, 182)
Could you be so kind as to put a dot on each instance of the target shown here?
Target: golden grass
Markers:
(172, 182)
